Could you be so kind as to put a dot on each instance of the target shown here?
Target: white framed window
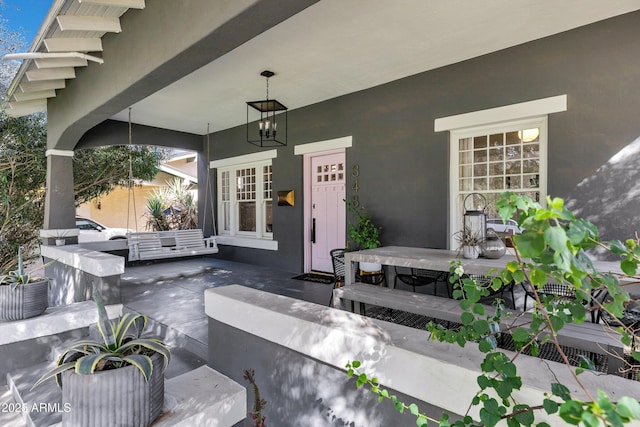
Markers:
(486, 161)
(496, 150)
(245, 200)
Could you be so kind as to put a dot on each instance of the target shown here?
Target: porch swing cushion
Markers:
(169, 244)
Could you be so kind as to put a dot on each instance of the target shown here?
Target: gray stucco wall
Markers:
(404, 163)
(301, 391)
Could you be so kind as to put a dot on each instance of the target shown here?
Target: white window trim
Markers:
(462, 125)
(247, 158)
(321, 146)
(523, 110)
(243, 239)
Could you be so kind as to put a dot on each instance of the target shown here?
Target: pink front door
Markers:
(328, 179)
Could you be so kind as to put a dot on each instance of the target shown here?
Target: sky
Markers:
(25, 16)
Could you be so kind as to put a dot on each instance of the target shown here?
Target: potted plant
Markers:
(60, 237)
(365, 234)
(469, 243)
(100, 379)
(21, 295)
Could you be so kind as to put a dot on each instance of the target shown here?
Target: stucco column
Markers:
(59, 204)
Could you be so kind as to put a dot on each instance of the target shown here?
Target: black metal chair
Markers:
(560, 292)
(372, 278)
(420, 277)
(337, 259)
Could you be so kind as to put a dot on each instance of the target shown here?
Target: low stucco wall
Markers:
(299, 351)
(74, 273)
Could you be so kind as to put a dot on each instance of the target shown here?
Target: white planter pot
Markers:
(471, 252)
(60, 242)
(370, 267)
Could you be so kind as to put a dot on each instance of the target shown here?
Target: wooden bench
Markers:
(592, 337)
(169, 244)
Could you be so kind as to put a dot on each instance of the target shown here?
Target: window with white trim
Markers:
(489, 160)
(245, 200)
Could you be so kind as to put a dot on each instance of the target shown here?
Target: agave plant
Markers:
(19, 276)
(122, 345)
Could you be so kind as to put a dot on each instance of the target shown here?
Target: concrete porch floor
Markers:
(171, 294)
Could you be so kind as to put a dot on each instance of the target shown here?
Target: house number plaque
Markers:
(355, 171)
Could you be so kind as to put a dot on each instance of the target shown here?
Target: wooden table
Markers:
(435, 259)
(425, 258)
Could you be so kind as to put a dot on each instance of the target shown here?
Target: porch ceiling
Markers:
(330, 49)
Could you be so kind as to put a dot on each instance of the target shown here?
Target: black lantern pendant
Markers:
(475, 220)
(269, 129)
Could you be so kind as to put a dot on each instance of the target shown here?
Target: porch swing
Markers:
(152, 245)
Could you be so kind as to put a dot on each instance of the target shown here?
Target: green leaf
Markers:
(561, 390)
(486, 345)
(142, 362)
(629, 408)
(414, 409)
(538, 277)
(571, 412)
(556, 322)
(362, 379)
(630, 268)
(155, 345)
(478, 309)
(526, 417)
(54, 373)
(550, 406)
(590, 420)
(521, 335)
(556, 238)
(481, 326)
(530, 243)
(467, 318)
(617, 247)
(87, 364)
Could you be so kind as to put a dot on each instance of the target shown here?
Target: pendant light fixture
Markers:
(269, 128)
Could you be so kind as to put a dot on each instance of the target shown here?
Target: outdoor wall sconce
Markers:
(286, 198)
(265, 130)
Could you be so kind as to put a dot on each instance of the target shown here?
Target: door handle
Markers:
(313, 230)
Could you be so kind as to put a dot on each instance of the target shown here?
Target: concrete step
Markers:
(11, 415)
(202, 397)
(42, 407)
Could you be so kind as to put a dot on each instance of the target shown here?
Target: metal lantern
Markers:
(269, 128)
(475, 220)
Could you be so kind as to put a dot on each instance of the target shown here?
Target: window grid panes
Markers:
(497, 162)
(245, 194)
(225, 200)
(267, 181)
(267, 178)
(330, 173)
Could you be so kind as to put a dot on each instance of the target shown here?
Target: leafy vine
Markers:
(552, 248)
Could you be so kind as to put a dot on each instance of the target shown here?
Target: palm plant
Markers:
(156, 219)
(122, 345)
